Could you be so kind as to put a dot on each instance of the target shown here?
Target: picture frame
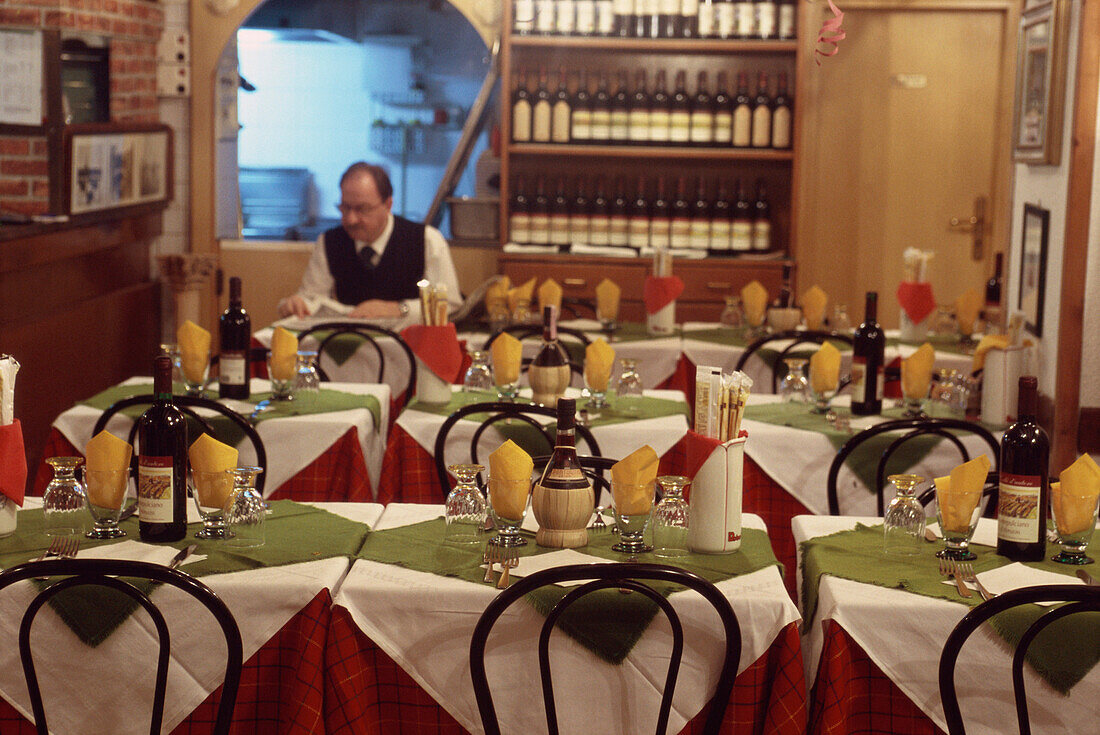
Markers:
(1033, 266)
(1041, 84)
(117, 166)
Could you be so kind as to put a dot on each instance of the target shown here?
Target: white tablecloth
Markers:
(904, 633)
(382, 599)
(292, 443)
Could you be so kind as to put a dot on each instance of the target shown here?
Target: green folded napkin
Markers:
(1057, 654)
(608, 623)
(294, 533)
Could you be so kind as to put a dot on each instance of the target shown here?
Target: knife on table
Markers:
(1087, 578)
(183, 554)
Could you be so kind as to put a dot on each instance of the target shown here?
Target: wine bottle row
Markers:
(640, 117)
(651, 218)
(655, 19)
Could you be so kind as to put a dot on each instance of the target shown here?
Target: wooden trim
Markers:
(645, 151)
(55, 122)
(1071, 313)
(657, 45)
(1088, 430)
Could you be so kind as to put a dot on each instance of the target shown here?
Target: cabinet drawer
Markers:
(712, 282)
(579, 280)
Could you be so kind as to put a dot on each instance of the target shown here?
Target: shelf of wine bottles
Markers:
(712, 216)
(655, 19)
(709, 117)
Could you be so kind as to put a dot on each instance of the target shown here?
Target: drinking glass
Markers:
(1074, 518)
(795, 388)
(944, 324)
(840, 321)
(64, 499)
(522, 313)
(913, 402)
(821, 400)
(465, 511)
(633, 506)
(282, 386)
(245, 511)
(212, 491)
(508, 504)
(479, 376)
(671, 518)
(105, 493)
(307, 381)
(195, 370)
(957, 513)
(731, 315)
(629, 393)
(609, 320)
(903, 523)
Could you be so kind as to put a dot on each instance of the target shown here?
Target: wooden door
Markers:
(901, 131)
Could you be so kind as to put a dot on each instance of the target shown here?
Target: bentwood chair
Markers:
(523, 416)
(327, 332)
(594, 468)
(909, 430)
(1079, 598)
(790, 340)
(526, 331)
(188, 405)
(107, 573)
(623, 576)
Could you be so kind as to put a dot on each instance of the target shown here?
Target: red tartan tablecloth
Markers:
(282, 685)
(338, 475)
(852, 695)
(367, 692)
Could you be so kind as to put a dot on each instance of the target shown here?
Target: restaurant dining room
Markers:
(481, 366)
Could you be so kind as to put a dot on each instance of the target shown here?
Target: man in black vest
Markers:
(374, 259)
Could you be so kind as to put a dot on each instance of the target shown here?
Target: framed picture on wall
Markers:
(1041, 84)
(111, 166)
(1033, 267)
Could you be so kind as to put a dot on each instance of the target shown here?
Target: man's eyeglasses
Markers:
(359, 210)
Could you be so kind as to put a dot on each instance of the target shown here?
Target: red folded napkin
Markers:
(13, 462)
(437, 347)
(916, 299)
(660, 291)
(891, 386)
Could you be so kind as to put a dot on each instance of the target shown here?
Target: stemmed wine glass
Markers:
(633, 506)
(105, 493)
(1074, 519)
(957, 513)
(508, 500)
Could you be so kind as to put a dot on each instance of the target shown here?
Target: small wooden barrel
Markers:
(548, 384)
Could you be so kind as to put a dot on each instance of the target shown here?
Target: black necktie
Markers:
(367, 255)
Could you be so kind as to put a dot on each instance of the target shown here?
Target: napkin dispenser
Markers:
(715, 521)
(663, 321)
(12, 456)
(1001, 383)
(911, 331)
(430, 388)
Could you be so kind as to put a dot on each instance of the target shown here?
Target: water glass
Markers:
(282, 385)
(195, 370)
(840, 321)
(731, 315)
(307, 381)
(479, 376)
(212, 491)
(1074, 519)
(466, 510)
(633, 508)
(903, 523)
(629, 393)
(957, 513)
(105, 491)
(944, 325)
(64, 499)
(508, 500)
(821, 401)
(795, 387)
(671, 518)
(245, 511)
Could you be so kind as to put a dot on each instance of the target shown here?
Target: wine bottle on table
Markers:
(562, 499)
(783, 301)
(162, 462)
(1024, 494)
(549, 372)
(868, 349)
(235, 333)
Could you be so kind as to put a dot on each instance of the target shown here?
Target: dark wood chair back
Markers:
(369, 333)
(793, 339)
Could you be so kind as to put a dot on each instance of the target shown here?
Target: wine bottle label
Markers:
(670, 7)
(708, 21)
(689, 8)
(521, 122)
(582, 124)
(742, 126)
(651, 7)
(559, 125)
(544, 18)
(746, 19)
(1018, 513)
(741, 235)
(154, 488)
(617, 231)
(727, 19)
(786, 20)
(519, 225)
(605, 17)
(679, 126)
(638, 232)
(702, 127)
(586, 17)
(765, 20)
(700, 234)
(723, 127)
(559, 229)
(761, 126)
(781, 127)
(620, 125)
(540, 229)
(540, 127)
(638, 126)
(638, 8)
(720, 234)
(561, 474)
(679, 235)
(761, 235)
(524, 19)
(599, 229)
(659, 123)
(601, 125)
(232, 368)
(578, 228)
(564, 16)
(660, 232)
(859, 378)
(623, 7)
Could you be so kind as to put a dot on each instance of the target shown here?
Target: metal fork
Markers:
(947, 568)
(966, 569)
(63, 547)
(492, 556)
(509, 560)
(598, 523)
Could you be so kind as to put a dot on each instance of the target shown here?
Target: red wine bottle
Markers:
(162, 462)
(1024, 494)
(868, 349)
(235, 331)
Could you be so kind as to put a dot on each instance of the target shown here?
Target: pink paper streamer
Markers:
(831, 33)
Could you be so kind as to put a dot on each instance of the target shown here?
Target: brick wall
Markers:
(133, 27)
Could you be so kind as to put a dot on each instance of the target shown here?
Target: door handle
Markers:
(578, 282)
(975, 225)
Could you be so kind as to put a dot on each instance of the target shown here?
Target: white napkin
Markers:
(984, 535)
(137, 551)
(1015, 576)
(531, 564)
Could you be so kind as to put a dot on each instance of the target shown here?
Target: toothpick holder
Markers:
(716, 491)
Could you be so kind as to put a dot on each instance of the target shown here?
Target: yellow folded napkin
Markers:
(105, 451)
(634, 476)
(959, 493)
(210, 459)
(507, 354)
(987, 343)
(510, 479)
(967, 308)
(1074, 496)
(825, 369)
(814, 303)
(598, 358)
(608, 294)
(550, 295)
(496, 296)
(521, 293)
(754, 299)
(916, 372)
(284, 354)
(194, 342)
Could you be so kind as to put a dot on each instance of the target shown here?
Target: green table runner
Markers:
(607, 623)
(1057, 653)
(633, 332)
(326, 401)
(940, 344)
(295, 533)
